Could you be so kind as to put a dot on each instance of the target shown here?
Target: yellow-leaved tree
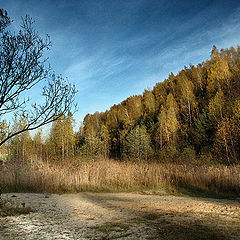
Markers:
(219, 74)
(168, 124)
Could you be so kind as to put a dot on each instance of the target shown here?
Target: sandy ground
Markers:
(121, 216)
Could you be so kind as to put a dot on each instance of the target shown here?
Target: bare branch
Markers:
(22, 66)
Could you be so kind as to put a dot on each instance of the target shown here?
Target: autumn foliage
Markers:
(190, 118)
(194, 114)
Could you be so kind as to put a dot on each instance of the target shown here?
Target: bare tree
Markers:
(22, 66)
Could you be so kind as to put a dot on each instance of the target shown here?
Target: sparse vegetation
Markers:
(111, 226)
(9, 208)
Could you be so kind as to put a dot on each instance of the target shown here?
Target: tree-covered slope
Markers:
(191, 114)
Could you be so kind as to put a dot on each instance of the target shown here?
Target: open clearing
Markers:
(121, 216)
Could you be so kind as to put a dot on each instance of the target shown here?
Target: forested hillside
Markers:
(189, 115)
(193, 117)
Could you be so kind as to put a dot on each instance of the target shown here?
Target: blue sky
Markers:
(112, 49)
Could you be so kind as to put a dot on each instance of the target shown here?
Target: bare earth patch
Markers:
(121, 216)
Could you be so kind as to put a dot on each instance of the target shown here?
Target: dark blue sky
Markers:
(113, 49)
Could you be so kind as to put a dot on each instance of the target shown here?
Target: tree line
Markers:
(194, 114)
(191, 116)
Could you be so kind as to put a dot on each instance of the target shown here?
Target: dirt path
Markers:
(121, 216)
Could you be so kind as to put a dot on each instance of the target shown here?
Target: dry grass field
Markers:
(147, 201)
(114, 176)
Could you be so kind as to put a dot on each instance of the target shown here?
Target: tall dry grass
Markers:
(112, 175)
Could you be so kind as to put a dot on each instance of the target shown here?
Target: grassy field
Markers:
(113, 176)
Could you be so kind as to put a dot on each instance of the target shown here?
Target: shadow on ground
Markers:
(194, 191)
(133, 216)
(162, 224)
